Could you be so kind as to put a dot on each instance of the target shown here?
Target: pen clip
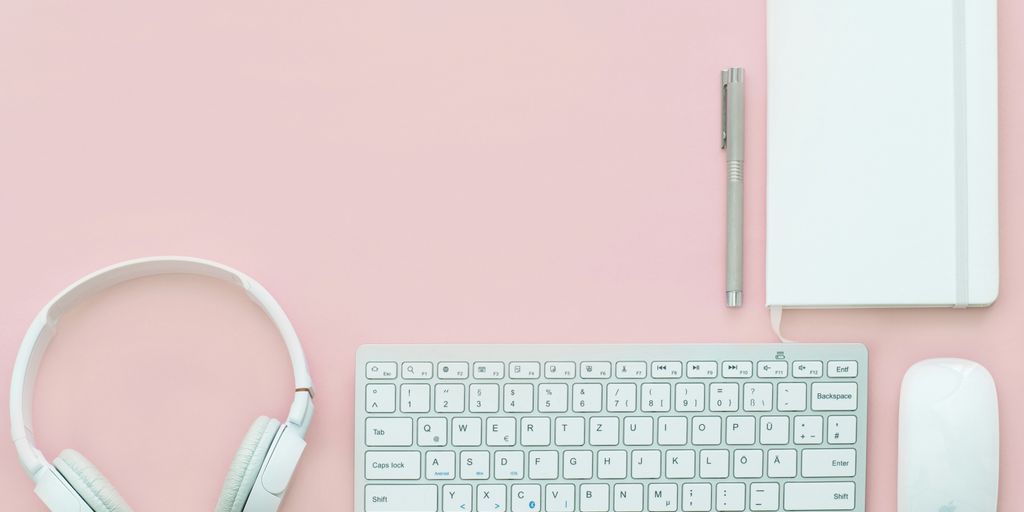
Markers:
(725, 105)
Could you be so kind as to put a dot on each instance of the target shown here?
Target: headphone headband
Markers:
(44, 326)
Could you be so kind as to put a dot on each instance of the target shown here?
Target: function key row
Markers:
(495, 370)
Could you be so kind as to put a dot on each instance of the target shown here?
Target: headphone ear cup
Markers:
(89, 483)
(246, 465)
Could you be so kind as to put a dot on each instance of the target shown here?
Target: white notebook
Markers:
(882, 153)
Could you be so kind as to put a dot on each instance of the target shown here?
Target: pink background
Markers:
(457, 172)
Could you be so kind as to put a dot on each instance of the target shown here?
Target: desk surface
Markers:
(463, 173)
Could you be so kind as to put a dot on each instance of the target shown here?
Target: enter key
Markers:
(828, 463)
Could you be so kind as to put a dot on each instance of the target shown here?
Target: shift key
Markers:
(818, 496)
(401, 498)
(392, 465)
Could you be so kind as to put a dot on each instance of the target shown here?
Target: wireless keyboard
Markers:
(691, 427)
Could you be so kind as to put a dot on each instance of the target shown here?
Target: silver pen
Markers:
(732, 143)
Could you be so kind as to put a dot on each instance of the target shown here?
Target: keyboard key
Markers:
(631, 370)
(380, 398)
(586, 398)
(655, 397)
(781, 463)
(525, 498)
(646, 464)
(689, 397)
(524, 370)
(604, 431)
(792, 396)
(450, 398)
(772, 369)
(440, 465)
(739, 430)
(381, 370)
(569, 431)
(828, 463)
(628, 497)
(393, 466)
(807, 430)
(518, 398)
(807, 369)
(764, 496)
(452, 370)
(535, 431)
(714, 463)
(467, 431)
(483, 397)
(724, 397)
(702, 370)
(638, 431)
(730, 497)
(491, 497)
(706, 430)
(696, 497)
(621, 398)
(818, 496)
(662, 497)
(488, 370)
(543, 465)
(560, 370)
(501, 431)
(401, 498)
(666, 369)
(508, 465)
(577, 464)
(388, 431)
(680, 463)
(594, 498)
(417, 370)
(748, 463)
(774, 430)
(737, 369)
(560, 498)
(475, 465)
(757, 397)
(415, 398)
(842, 429)
(671, 431)
(553, 397)
(834, 396)
(842, 369)
(595, 370)
(456, 498)
(611, 464)
(432, 432)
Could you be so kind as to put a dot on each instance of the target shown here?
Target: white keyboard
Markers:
(690, 427)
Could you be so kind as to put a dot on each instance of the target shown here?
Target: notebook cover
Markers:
(882, 153)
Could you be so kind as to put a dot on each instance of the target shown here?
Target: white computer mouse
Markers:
(949, 438)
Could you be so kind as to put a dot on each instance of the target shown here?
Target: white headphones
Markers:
(262, 467)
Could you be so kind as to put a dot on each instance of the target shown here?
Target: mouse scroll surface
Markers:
(949, 438)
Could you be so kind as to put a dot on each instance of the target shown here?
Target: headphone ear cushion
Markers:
(89, 483)
(246, 465)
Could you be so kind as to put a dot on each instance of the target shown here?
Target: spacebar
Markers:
(401, 498)
(819, 496)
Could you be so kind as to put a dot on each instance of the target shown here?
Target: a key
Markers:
(569, 431)
(757, 397)
(543, 465)
(417, 370)
(807, 430)
(449, 398)
(818, 496)
(474, 465)
(714, 463)
(680, 463)
(730, 497)
(440, 465)
(611, 464)
(621, 397)
(483, 398)
(662, 497)
(724, 396)
(655, 397)
(781, 463)
(518, 398)
(696, 497)
(671, 431)
(488, 370)
(388, 431)
(828, 463)
(432, 432)
(706, 430)
(630, 370)
(525, 498)
(524, 370)
(467, 431)
(689, 397)
(400, 498)
(380, 398)
(553, 397)
(842, 429)
(392, 465)
(739, 430)
(491, 497)
(501, 431)
(509, 465)
(577, 464)
(586, 397)
(560, 370)
(638, 431)
(452, 370)
(415, 398)
(535, 431)
(834, 396)
(764, 496)
(628, 497)
(842, 369)
(560, 498)
(645, 464)
(376, 370)
(595, 369)
(594, 498)
(748, 463)
(604, 431)
(456, 498)
(774, 430)
(792, 396)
